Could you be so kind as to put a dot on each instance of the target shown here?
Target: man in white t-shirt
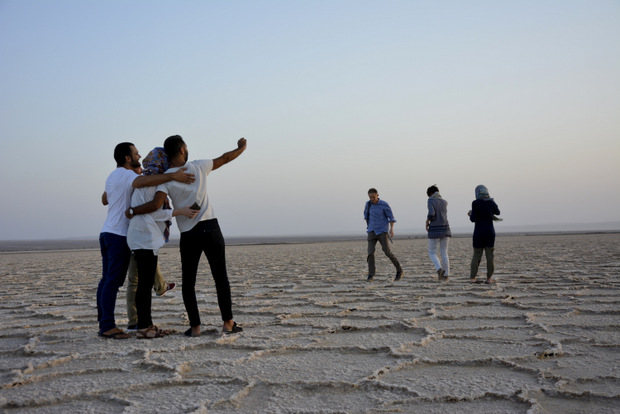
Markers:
(113, 238)
(200, 234)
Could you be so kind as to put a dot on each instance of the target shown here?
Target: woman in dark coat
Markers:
(483, 212)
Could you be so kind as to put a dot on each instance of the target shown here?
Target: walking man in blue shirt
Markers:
(379, 226)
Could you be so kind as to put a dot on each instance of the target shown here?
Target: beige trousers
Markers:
(132, 287)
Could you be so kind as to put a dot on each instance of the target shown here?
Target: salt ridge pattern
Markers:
(318, 338)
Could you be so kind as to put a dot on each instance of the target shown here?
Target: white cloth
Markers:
(185, 195)
(118, 191)
(146, 231)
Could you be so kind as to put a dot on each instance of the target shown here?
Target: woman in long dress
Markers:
(483, 212)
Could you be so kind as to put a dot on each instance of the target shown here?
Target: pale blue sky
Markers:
(333, 97)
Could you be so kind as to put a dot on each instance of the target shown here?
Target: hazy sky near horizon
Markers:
(334, 97)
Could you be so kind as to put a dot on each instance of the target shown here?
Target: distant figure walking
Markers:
(379, 217)
(482, 213)
(439, 233)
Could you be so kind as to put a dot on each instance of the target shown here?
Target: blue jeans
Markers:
(442, 245)
(115, 255)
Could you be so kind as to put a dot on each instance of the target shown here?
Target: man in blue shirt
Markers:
(379, 226)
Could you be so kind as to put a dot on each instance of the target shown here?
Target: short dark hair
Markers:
(173, 145)
(373, 191)
(432, 190)
(121, 151)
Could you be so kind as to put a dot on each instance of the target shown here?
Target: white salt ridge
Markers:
(319, 339)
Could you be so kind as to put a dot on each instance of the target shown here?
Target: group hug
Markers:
(137, 225)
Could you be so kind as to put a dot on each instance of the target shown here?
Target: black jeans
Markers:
(147, 263)
(206, 237)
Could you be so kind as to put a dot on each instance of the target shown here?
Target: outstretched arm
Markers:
(230, 155)
(157, 179)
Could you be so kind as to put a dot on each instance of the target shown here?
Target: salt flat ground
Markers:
(318, 338)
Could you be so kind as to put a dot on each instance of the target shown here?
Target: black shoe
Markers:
(235, 329)
(370, 278)
(190, 334)
(399, 275)
(440, 274)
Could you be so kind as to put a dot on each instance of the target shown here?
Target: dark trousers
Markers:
(372, 242)
(115, 255)
(475, 261)
(147, 263)
(206, 238)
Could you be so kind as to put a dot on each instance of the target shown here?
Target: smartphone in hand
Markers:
(195, 206)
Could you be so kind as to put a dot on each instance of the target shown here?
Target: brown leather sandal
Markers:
(150, 333)
(114, 333)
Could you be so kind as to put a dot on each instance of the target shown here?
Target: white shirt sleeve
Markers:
(162, 214)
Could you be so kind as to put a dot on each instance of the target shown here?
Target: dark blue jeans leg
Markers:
(104, 266)
(115, 256)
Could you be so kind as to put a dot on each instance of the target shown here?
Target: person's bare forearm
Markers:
(148, 207)
(230, 155)
(151, 180)
(157, 179)
(185, 211)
